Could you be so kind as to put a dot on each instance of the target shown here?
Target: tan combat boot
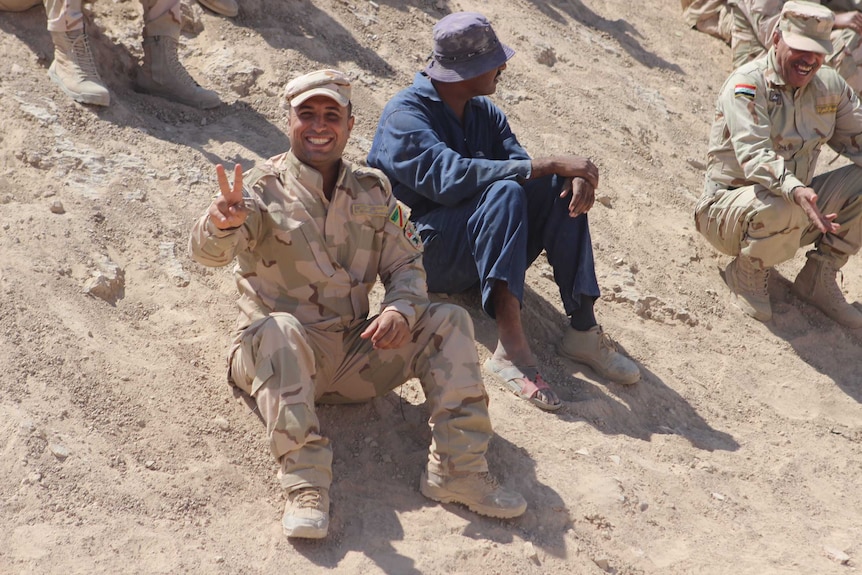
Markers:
(748, 285)
(163, 75)
(227, 8)
(480, 492)
(596, 349)
(816, 284)
(74, 70)
(306, 513)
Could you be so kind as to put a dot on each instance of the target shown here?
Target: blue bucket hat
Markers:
(465, 46)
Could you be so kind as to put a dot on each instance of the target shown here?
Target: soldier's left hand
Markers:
(806, 198)
(583, 196)
(389, 330)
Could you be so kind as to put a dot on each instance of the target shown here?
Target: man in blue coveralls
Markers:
(485, 210)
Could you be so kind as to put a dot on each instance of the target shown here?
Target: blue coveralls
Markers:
(478, 216)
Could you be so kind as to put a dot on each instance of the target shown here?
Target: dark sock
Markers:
(584, 317)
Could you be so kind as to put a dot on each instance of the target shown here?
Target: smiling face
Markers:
(319, 129)
(797, 67)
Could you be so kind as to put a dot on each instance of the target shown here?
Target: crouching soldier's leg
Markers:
(838, 192)
(273, 362)
(448, 368)
(761, 230)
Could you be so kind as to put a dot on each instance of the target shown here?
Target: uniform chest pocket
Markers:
(298, 244)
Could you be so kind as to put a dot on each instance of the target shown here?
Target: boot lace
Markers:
(82, 56)
(753, 280)
(606, 342)
(836, 277)
(308, 499)
(178, 70)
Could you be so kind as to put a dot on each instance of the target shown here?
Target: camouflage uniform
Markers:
(764, 142)
(712, 17)
(753, 22)
(304, 269)
(161, 17)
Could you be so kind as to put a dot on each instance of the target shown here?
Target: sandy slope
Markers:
(123, 450)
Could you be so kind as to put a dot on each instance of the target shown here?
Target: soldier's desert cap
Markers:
(330, 83)
(465, 46)
(806, 26)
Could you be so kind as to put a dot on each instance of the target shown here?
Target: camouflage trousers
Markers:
(287, 367)
(770, 229)
(709, 16)
(846, 57)
(161, 17)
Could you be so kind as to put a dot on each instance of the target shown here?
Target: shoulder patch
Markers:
(412, 235)
(748, 91)
(397, 216)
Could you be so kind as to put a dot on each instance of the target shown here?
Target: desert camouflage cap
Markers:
(330, 83)
(807, 26)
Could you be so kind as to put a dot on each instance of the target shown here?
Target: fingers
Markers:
(237, 183)
(233, 195)
(583, 197)
(386, 331)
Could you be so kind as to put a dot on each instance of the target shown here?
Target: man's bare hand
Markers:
(583, 196)
(567, 167)
(852, 20)
(807, 200)
(227, 210)
(389, 330)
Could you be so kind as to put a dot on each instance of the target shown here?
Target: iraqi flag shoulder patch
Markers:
(745, 90)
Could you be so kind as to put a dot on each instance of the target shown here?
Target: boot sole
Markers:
(78, 97)
(443, 496)
(171, 97)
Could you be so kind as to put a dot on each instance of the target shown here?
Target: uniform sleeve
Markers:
(413, 153)
(213, 247)
(743, 103)
(401, 271)
(847, 138)
(764, 16)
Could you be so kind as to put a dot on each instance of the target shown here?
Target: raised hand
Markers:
(807, 200)
(227, 209)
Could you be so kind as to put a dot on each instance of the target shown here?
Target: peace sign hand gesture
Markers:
(227, 210)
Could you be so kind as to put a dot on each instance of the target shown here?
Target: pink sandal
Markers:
(526, 383)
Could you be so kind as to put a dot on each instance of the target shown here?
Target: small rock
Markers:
(837, 555)
(150, 464)
(57, 207)
(222, 423)
(59, 451)
(530, 551)
(583, 451)
(219, 559)
(615, 459)
(719, 496)
(644, 506)
(605, 201)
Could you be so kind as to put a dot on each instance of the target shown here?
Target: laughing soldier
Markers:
(761, 201)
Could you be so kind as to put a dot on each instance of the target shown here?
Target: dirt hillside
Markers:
(123, 450)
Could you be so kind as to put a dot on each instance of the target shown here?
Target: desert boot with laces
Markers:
(74, 69)
(748, 284)
(306, 513)
(817, 284)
